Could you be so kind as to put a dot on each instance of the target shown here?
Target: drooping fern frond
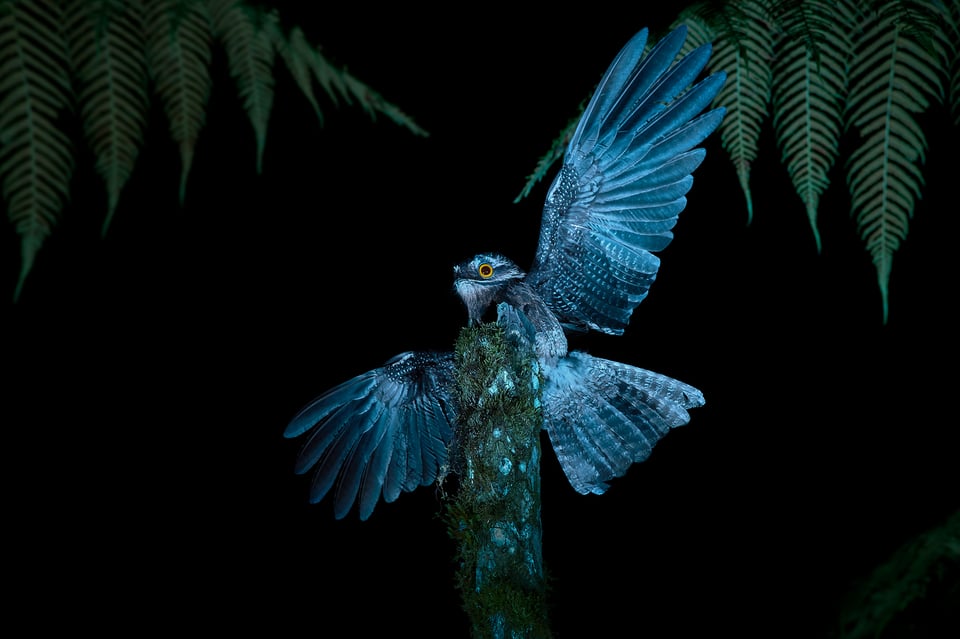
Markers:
(179, 55)
(306, 64)
(743, 48)
(36, 157)
(892, 79)
(373, 103)
(329, 77)
(118, 53)
(699, 31)
(809, 93)
(296, 53)
(107, 56)
(245, 32)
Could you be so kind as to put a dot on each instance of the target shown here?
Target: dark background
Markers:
(151, 372)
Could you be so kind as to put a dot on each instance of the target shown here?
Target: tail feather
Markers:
(603, 416)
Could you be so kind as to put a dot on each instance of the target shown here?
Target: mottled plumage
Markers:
(613, 204)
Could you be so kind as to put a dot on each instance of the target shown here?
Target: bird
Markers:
(611, 207)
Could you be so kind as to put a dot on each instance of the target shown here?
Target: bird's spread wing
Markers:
(382, 432)
(625, 175)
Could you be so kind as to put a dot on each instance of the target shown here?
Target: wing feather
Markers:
(659, 107)
(381, 433)
(334, 459)
(621, 70)
(634, 203)
(413, 427)
(626, 173)
(357, 464)
(375, 481)
(672, 170)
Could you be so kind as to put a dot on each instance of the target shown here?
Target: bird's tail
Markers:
(603, 416)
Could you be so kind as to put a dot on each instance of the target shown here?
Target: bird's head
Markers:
(478, 282)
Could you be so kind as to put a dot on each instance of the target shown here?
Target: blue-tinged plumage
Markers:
(623, 183)
(587, 428)
(627, 64)
(620, 148)
(381, 433)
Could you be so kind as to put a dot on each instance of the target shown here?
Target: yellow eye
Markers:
(485, 271)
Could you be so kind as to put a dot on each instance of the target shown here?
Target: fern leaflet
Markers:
(809, 91)
(179, 56)
(36, 157)
(106, 49)
(245, 33)
(892, 78)
(744, 50)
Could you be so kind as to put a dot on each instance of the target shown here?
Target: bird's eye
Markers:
(485, 271)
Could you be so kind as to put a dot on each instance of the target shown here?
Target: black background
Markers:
(152, 371)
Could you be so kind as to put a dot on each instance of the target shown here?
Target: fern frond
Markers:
(699, 30)
(179, 56)
(809, 92)
(297, 54)
(36, 157)
(307, 64)
(329, 77)
(245, 32)
(918, 19)
(743, 48)
(804, 21)
(108, 57)
(892, 78)
(373, 103)
(733, 18)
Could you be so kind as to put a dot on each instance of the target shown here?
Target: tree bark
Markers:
(495, 516)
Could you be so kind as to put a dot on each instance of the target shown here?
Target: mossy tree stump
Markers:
(495, 516)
